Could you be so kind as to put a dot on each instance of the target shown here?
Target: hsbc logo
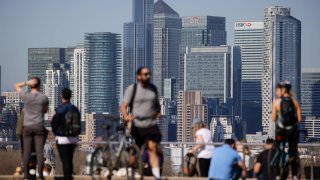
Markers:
(246, 24)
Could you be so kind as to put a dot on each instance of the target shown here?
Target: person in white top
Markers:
(246, 156)
(205, 152)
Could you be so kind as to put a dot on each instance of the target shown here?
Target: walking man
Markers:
(142, 99)
(35, 106)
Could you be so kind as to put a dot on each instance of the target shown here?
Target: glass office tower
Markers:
(199, 31)
(103, 55)
(249, 35)
(282, 58)
(166, 40)
(137, 39)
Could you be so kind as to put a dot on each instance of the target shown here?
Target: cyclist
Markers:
(142, 98)
(286, 113)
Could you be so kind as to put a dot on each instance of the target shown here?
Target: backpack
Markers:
(189, 165)
(288, 111)
(67, 123)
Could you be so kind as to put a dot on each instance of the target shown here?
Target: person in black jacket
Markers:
(262, 167)
(66, 144)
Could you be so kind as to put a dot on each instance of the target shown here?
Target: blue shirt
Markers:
(223, 162)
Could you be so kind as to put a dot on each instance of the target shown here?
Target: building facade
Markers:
(216, 71)
(57, 78)
(103, 56)
(8, 124)
(221, 128)
(310, 92)
(39, 58)
(249, 35)
(282, 58)
(79, 81)
(166, 41)
(199, 31)
(189, 106)
(0, 81)
(13, 99)
(170, 88)
(96, 124)
(312, 128)
(138, 40)
(210, 70)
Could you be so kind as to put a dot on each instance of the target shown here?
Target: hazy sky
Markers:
(60, 23)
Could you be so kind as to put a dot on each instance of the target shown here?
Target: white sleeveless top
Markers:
(207, 150)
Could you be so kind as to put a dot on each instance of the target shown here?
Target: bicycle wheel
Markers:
(122, 164)
(96, 163)
(134, 163)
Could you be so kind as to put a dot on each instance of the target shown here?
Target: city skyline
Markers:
(23, 28)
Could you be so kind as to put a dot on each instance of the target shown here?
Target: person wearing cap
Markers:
(225, 162)
(203, 137)
(286, 113)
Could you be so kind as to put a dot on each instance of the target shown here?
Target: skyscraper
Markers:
(138, 43)
(215, 71)
(249, 36)
(282, 58)
(57, 78)
(39, 58)
(310, 92)
(79, 81)
(166, 41)
(189, 107)
(199, 31)
(103, 55)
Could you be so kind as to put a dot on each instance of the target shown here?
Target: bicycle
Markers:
(109, 157)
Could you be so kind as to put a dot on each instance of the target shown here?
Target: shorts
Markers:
(142, 135)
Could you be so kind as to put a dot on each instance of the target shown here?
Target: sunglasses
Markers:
(146, 74)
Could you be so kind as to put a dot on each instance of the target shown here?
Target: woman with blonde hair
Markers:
(202, 137)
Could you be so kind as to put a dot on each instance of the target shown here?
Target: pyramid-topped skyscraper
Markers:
(166, 41)
(137, 40)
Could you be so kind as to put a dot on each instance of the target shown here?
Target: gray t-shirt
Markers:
(144, 105)
(34, 104)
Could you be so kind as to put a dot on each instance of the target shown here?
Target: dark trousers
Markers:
(66, 155)
(37, 134)
(291, 136)
(204, 165)
(21, 144)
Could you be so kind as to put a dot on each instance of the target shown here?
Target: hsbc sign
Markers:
(248, 25)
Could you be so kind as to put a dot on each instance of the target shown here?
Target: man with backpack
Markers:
(286, 113)
(66, 125)
(142, 99)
